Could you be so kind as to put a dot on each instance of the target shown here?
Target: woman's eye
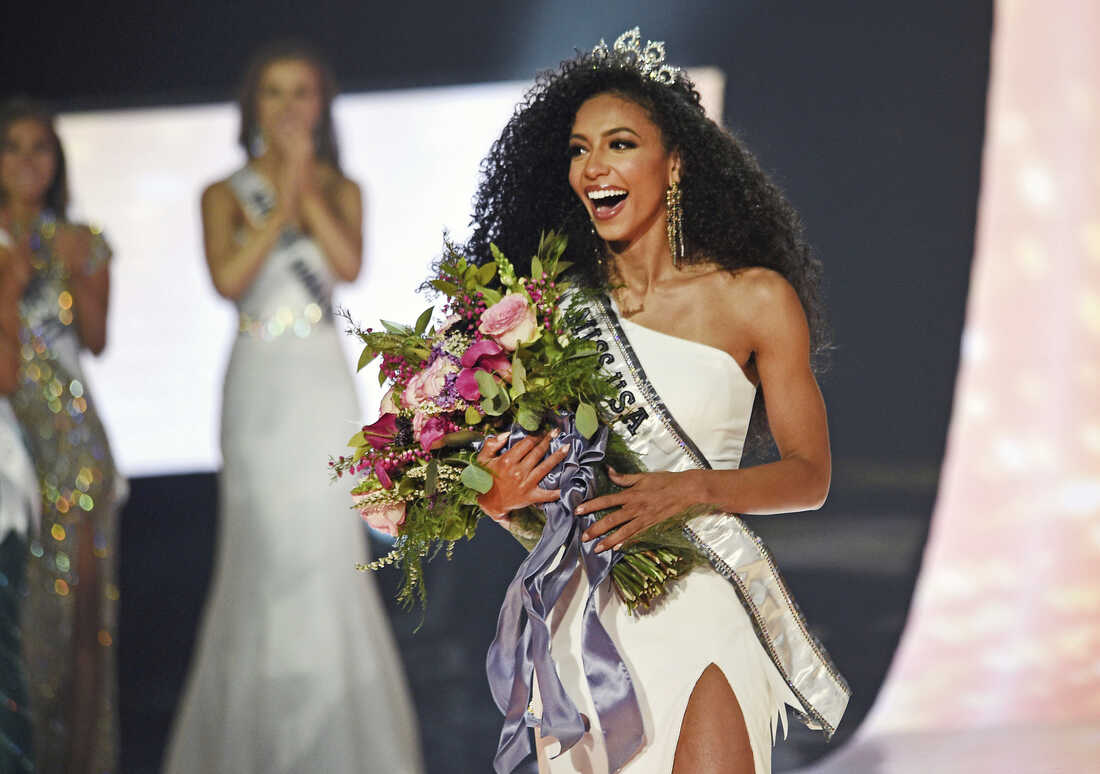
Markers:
(622, 144)
(575, 150)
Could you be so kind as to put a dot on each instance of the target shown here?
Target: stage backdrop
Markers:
(158, 385)
(998, 666)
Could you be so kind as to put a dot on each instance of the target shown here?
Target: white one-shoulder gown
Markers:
(702, 621)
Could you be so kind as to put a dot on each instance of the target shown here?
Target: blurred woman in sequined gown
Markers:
(20, 509)
(68, 615)
(295, 668)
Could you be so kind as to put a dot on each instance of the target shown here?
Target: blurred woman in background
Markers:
(58, 272)
(20, 509)
(295, 668)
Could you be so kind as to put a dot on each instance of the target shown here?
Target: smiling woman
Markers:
(711, 302)
(617, 154)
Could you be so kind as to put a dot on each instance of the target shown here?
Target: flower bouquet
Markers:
(502, 361)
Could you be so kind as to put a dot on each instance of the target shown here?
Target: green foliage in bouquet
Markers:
(503, 355)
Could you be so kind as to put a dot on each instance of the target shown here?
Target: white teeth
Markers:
(605, 193)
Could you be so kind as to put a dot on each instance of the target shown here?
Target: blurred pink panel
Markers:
(1005, 626)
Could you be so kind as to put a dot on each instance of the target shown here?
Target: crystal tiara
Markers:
(649, 60)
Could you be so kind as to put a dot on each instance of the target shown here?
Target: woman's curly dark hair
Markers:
(733, 215)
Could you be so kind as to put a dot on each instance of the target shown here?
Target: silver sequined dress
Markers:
(80, 487)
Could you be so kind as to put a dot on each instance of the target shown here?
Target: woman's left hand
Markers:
(646, 499)
(73, 244)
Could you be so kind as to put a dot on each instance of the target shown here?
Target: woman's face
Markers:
(289, 96)
(619, 167)
(28, 162)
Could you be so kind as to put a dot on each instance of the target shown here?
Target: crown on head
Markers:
(649, 59)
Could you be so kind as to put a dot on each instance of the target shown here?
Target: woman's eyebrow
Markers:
(609, 132)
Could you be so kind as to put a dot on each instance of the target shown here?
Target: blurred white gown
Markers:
(295, 668)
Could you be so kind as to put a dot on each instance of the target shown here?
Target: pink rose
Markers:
(511, 321)
(384, 517)
(389, 401)
(428, 383)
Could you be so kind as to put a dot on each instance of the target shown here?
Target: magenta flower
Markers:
(382, 432)
(484, 355)
(383, 477)
(432, 430)
(478, 350)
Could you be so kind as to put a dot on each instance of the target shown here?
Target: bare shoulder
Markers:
(217, 193)
(749, 294)
(754, 307)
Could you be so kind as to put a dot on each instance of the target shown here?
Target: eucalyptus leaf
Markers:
(586, 420)
(357, 439)
(491, 296)
(528, 420)
(423, 320)
(486, 384)
(381, 377)
(536, 269)
(473, 416)
(496, 405)
(477, 478)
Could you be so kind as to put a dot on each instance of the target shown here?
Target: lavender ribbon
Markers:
(522, 648)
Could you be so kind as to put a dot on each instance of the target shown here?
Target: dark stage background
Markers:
(869, 115)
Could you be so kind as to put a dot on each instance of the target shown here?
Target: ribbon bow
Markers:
(522, 647)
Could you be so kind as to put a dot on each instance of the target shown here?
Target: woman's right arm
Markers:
(13, 278)
(234, 265)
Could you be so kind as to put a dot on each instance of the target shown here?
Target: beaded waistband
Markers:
(284, 321)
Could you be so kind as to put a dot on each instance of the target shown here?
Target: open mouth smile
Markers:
(607, 202)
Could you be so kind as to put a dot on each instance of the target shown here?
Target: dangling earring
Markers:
(674, 217)
(599, 252)
(257, 143)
